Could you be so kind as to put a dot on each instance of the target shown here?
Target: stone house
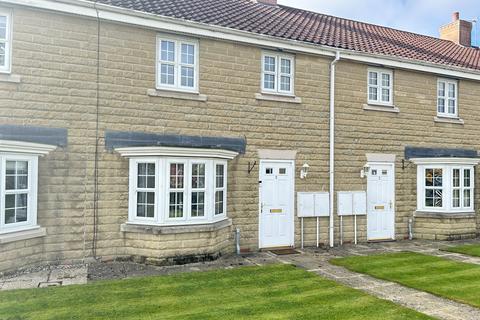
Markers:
(169, 130)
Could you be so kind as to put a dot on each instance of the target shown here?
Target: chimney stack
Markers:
(458, 31)
(267, 2)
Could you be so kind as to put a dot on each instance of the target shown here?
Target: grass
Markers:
(468, 249)
(271, 292)
(446, 278)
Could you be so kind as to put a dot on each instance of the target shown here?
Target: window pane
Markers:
(269, 81)
(285, 83)
(167, 74)
(451, 90)
(385, 80)
(451, 106)
(9, 216)
(16, 175)
(373, 78)
(285, 66)
(466, 198)
(198, 176)
(198, 204)
(167, 51)
(466, 178)
(218, 202)
(187, 78)
(220, 179)
(441, 89)
(438, 198)
(3, 27)
(269, 64)
(146, 175)
(145, 204)
(176, 205)
(2, 54)
(385, 95)
(176, 175)
(16, 208)
(456, 177)
(441, 105)
(373, 93)
(456, 198)
(437, 177)
(428, 177)
(188, 53)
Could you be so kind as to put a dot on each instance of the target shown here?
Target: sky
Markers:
(419, 16)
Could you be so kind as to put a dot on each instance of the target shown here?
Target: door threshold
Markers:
(380, 240)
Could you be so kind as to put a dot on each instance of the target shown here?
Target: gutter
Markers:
(169, 24)
(332, 147)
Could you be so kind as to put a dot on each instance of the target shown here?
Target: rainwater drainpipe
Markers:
(332, 144)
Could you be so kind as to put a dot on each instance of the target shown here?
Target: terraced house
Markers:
(176, 130)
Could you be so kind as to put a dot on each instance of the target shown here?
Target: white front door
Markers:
(276, 221)
(381, 202)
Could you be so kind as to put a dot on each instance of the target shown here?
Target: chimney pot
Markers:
(456, 16)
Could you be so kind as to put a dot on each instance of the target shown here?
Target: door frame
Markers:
(392, 165)
(292, 201)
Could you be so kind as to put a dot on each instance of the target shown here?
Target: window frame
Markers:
(447, 188)
(278, 74)
(162, 191)
(224, 189)
(379, 87)
(8, 41)
(32, 192)
(446, 98)
(178, 41)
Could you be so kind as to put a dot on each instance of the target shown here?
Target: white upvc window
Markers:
(278, 73)
(177, 191)
(177, 63)
(447, 94)
(18, 192)
(447, 187)
(5, 40)
(380, 86)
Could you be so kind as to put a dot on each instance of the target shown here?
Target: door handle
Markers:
(391, 204)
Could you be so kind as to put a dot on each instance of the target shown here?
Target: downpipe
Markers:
(332, 147)
(237, 240)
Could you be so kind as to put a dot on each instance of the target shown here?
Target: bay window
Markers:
(445, 187)
(277, 73)
(18, 192)
(176, 191)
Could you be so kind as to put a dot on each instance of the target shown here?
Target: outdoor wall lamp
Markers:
(304, 171)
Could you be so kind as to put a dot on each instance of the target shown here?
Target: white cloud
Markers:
(420, 16)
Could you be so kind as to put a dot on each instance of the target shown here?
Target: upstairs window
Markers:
(380, 87)
(277, 73)
(447, 98)
(177, 67)
(5, 40)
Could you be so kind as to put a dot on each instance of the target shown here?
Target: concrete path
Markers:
(423, 302)
(46, 277)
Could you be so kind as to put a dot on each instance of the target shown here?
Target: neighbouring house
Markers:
(166, 130)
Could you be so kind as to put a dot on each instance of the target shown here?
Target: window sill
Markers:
(22, 235)
(174, 229)
(177, 95)
(381, 108)
(278, 98)
(442, 215)
(12, 78)
(449, 120)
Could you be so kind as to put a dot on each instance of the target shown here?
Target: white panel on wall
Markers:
(305, 204)
(345, 203)
(360, 203)
(322, 204)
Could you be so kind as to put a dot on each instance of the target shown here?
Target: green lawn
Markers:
(468, 249)
(450, 279)
(271, 292)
